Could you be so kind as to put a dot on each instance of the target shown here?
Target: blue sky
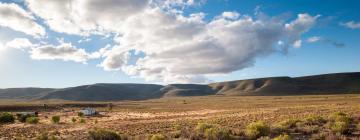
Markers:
(19, 67)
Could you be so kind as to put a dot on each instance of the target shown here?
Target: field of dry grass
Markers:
(178, 117)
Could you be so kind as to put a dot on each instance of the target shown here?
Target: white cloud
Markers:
(175, 48)
(297, 43)
(230, 15)
(313, 39)
(352, 25)
(299, 26)
(83, 17)
(16, 18)
(63, 51)
(187, 49)
(20, 43)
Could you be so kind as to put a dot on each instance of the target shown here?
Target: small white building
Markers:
(88, 111)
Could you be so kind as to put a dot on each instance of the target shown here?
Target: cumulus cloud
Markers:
(63, 51)
(16, 18)
(352, 25)
(174, 47)
(83, 17)
(187, 49)
(20, 43)
(299, 26)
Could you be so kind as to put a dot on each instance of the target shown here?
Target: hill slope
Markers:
(338, 83)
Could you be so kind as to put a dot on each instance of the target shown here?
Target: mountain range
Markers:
(337, 83)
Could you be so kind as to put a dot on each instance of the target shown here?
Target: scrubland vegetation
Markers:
(201, 118)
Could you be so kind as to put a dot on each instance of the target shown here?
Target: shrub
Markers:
(102, 134)
(211, 131)
(358, 126)
(217, 133)
(6, 118)
(201, 127)
(257, 129)
(73, 120)
(55, 119)
(282, 137)
(82, 121)
(340, 117)
(22, 117)
(339, 127)
(314, 120)
(32, 120)
(80, 114)
(286, 124)
(157, 137)
(46, 136)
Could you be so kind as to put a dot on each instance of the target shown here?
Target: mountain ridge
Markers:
(335, 83)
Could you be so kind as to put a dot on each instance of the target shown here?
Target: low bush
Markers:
(314, 120)
(157, 137)
(55, 119)
(340, 117)
(102, 134)
(212, 131)
(358, 126)
(82, 121)
(257, 129)
(80, 114)
(282, 137)
(6, 118)
(46, 136)
(217, 133)
(32, 120)
(339, 127)
(73, 120)
(22, 117)
(286, 124)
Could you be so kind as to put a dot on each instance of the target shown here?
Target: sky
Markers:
(61, 43)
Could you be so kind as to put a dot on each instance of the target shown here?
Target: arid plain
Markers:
(180, 117)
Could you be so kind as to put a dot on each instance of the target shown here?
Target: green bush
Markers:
(339, 127)
(55, 119)
(46, 136)
(282, 137)
(80, 114)
(32, 120)
(102, 134)
(314, 120)
(73, 120)
(257, 129)
(217, 133)
(286, 124)
(6, 118)
(201, 127)
(22, 117)
(82, 121)
(158, 137)
(212, 131)
(340, 117)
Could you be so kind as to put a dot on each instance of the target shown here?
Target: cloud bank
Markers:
(16, 18)
(174, 47)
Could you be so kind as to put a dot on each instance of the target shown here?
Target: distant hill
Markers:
(338, 83)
